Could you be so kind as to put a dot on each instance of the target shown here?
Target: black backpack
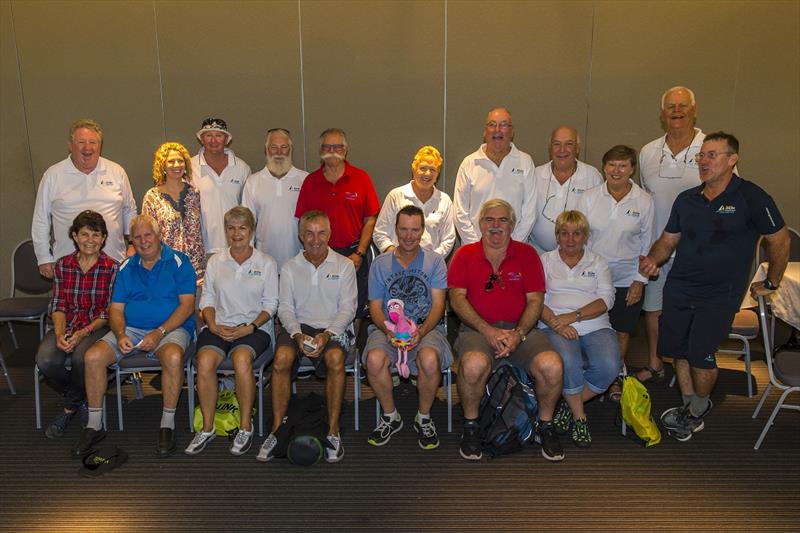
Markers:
(305, 417)
(508, 411)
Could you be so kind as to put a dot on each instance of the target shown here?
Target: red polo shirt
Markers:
(521, 272)
(347, 202)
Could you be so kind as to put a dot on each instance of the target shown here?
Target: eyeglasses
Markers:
(333, 147)
(669, 167)
(492, 125)
(709, 155)
(494, 278)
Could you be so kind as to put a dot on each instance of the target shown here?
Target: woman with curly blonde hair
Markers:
(175, 203)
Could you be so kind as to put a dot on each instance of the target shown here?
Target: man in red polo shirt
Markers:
(497, 289)
(346, 194)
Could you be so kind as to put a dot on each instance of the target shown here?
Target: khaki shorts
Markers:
(536, 342)
(434, 339)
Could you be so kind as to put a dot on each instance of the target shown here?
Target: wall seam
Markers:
(585, 148)
(160, 78)
(302, 84)
(443, 173)
(22, 97)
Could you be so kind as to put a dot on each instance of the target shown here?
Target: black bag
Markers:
(305, 426)
(508, 411)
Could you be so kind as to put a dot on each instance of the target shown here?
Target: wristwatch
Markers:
(578, 315)
(359, 253)
(163, 331)
(522, 336)
(769, 285)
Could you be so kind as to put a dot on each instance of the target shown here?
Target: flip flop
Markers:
(656, 376)
(102, 461)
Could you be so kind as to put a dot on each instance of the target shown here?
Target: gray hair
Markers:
(333, 131)
(88, 124)
(282, 131)
(144, 219)
(677, 88)
(497, 202)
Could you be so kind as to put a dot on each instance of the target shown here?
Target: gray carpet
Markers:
(716, 481)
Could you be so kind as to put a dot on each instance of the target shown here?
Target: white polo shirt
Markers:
(65, 191)
(273, 200)
(479, 179)
(440, 233)
(323, 297)
(620, 231)
(218, 194)
(238, 293)
(665, 176)
(553, 198)
(569, 289)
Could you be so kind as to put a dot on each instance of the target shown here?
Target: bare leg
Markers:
(281, 384)
(430, 373)
(624, 340)
(683, 371)
(651, 329)
(245, 386)
(472, 377)
(704, 380)
(171, 357)
(96, 362)
(380, 379)
(547, 370)
(334, 387)
(207, 389)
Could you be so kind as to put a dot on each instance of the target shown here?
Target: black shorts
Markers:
(624, 317)
(693, 330)
(362, 277)
(320, 369)
(257, 342)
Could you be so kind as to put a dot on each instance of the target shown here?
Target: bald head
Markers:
(565, 146)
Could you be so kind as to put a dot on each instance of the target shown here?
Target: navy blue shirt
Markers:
(151, 296)
(718, 240)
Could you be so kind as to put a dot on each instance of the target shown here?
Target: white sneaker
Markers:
(335, 452)
(242, 442)
(198, 444)
(266, 453)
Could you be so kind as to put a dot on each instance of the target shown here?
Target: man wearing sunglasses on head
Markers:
(497, 289)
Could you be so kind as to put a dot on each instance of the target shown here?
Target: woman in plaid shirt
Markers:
(79, 311)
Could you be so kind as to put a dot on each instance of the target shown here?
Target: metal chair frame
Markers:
(40, 286)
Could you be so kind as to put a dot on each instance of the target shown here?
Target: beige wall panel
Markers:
(239, 61)
(377, 72)
(16, 185)
(91, 59)
(643, 48)
(768, 102)
(532, 57)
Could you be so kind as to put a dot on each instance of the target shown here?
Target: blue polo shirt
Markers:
(718, 240)
(151, 296)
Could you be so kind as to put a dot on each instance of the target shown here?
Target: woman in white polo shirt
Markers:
(620, 216)
(575, 315)
(240, 297)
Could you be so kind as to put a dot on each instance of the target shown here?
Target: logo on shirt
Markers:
(514, 276)
(106, 182)
(332, 277)
(254, 272)
(632, 213)
(588, 274)
(351, 196)
(517, 171)
(294, 188)
(237, 181)
(578, 190)
(726, 209)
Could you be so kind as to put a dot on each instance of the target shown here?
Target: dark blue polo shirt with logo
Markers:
(718, 240)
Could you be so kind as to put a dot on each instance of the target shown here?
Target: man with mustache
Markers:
(497, 290)
(346, 194)
(82, 181)
(497, 169)
(271, 194)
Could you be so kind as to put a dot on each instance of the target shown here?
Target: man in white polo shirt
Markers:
(667, 168)
(271, 194)
(318, 297)
(559, 185)
(83, 180)
(219, 176)
(495, 170)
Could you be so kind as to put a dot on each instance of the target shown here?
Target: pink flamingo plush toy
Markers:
(403, 329)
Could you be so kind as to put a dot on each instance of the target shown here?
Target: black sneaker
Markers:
(547, 437)
(681, 424)
(428, 439)
(59, 424)
(89, 437)
(166, 442)
(562, 420)
(384, 430)
(471, 446)
(580, 433)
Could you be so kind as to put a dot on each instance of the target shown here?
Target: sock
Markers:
(699, 405)
(687, 398)
(394, 415)
(168, 418)
(95, 418)
(470, 422)
(421, 417)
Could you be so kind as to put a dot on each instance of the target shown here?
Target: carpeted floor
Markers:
(716, 481)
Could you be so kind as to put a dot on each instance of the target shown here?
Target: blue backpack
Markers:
(508, 411)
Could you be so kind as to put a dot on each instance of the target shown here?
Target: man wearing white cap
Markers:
(219, 176)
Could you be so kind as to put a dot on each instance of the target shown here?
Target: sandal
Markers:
(102, 461)
(614, 392)
(656, 376)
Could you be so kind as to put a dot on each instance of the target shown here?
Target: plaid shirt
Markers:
(82, 297)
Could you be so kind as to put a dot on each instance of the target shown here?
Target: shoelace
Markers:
(426, 428)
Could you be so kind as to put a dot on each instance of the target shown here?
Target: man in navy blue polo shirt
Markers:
(151, 311)
(713, 228)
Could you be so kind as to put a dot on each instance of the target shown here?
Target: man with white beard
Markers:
(346, 194)
(271, 194)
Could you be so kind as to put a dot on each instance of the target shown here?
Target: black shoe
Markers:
(551, 447)
(166, 442)
(86, 442)
(59, 424)
(471, 445)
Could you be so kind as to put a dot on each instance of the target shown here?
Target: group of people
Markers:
(550, 275)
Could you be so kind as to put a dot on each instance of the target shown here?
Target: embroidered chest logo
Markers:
(588, 274)
(332, 277)
(578, 190)
(254, 272)
(514, 276)
(349, 195)
(517, 171)
(726, 209)
(294, 188)
(632, 213)
(106, 182)
(237, 181)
